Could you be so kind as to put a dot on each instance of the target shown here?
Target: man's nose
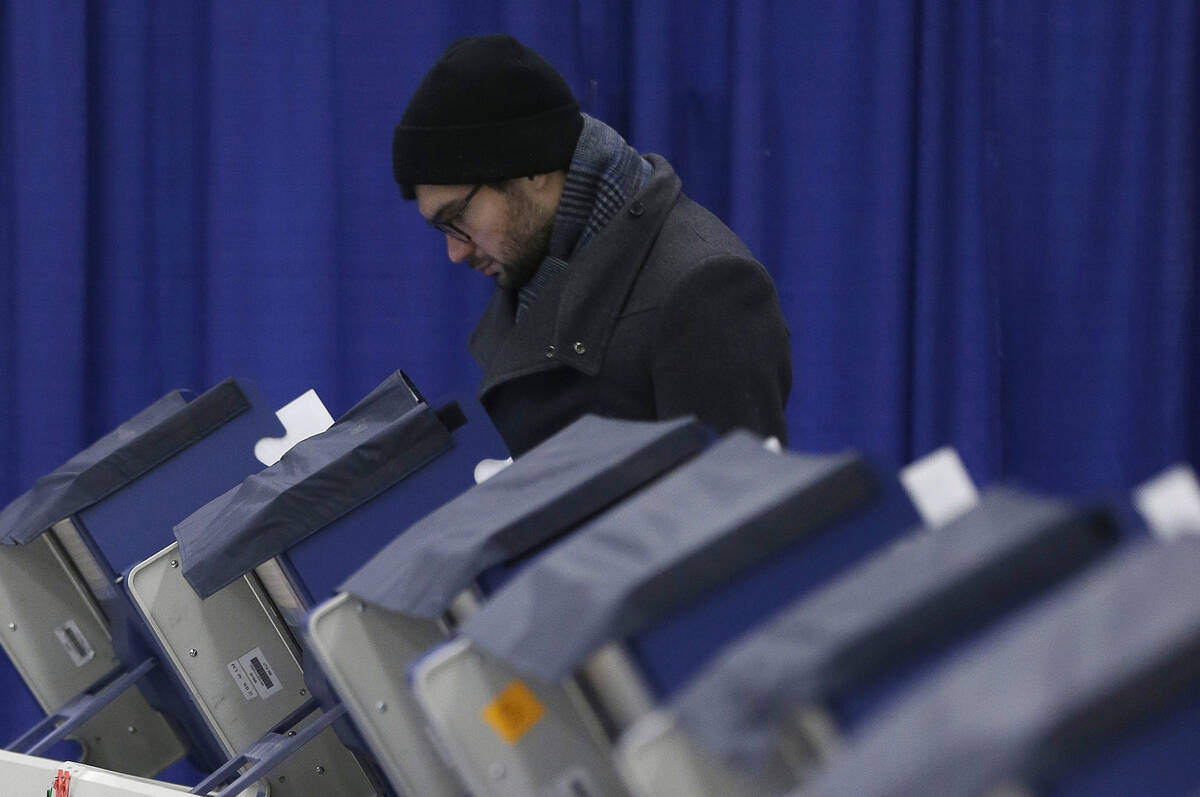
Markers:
(458, 250)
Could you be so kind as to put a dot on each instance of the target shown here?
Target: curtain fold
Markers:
(981, 217)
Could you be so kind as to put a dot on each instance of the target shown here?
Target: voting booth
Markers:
(825, 667)
(68, 627)
(673, 573)
(409, 597)
(821, 665)
(1090, 690)
(1094, 691)
(226, 603)
(631, 608)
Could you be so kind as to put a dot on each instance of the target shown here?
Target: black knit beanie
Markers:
(489, 110)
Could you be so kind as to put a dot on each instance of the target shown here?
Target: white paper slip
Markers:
(302, 418)
(939, 486)
(1170, 503)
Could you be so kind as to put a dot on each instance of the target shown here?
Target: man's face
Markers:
(507, 231)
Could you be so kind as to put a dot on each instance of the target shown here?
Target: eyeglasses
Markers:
(453, 214)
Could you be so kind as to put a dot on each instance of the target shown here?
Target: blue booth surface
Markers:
(335, 499)
(133, 485)
(891, 612)
(321, 562)
(1086, 691)
(125, 492)
(692, 561)
(105, 466)
(547, 492)
(135, 522)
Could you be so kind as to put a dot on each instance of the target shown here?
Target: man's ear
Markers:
(546, 187)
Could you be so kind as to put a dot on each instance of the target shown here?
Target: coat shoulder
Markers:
(691, 238)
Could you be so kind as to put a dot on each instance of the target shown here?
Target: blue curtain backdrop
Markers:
(981, 216)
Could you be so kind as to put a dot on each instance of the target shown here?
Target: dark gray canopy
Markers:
(128, 452)
(923, 588)
(734, 505)
(382, 439)
(552, 488)
(1115, 646)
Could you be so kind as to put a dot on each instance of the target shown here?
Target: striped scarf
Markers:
(604, 173)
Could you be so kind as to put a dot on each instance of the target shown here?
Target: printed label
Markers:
(261, 675)
(243, 683)
(514, 712)
(253, 675)
(74, 643)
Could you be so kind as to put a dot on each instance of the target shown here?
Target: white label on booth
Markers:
(74, 643)
(1170, 503)
(253, 675)
(242, 680)
(258, 669)
(939, 486)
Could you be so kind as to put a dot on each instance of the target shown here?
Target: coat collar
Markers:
(573, 318)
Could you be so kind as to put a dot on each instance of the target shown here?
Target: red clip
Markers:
(62, 783)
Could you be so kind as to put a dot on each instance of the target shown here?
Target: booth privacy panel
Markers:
(134, 448)
(921, 589)
(551, 488)
(1113, 647)
(730, 507)
(378, 442)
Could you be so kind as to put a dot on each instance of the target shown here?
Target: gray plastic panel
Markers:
(365, 652)
(659, 760)
(511, 736)
(283, 594)
(241, 666)
(322, 767)
(59, 642)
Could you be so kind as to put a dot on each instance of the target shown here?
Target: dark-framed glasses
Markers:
(445, 221)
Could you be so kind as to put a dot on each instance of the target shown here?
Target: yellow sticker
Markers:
(513, 712)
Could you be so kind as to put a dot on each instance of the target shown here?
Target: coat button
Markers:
(580, 348)
(550, 350)
(637, 208)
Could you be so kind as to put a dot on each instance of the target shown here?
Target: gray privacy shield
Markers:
(1114, 646)
(727, 509)
(550, 489)
(386, 436)
(128, 452)
(924, 588)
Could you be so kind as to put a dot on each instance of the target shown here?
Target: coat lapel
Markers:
(572, 320)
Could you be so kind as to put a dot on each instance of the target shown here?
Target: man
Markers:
(616, 294)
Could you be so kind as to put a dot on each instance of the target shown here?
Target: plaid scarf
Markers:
(604, 173)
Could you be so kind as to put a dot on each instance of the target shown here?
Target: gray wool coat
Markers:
(664, 313)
